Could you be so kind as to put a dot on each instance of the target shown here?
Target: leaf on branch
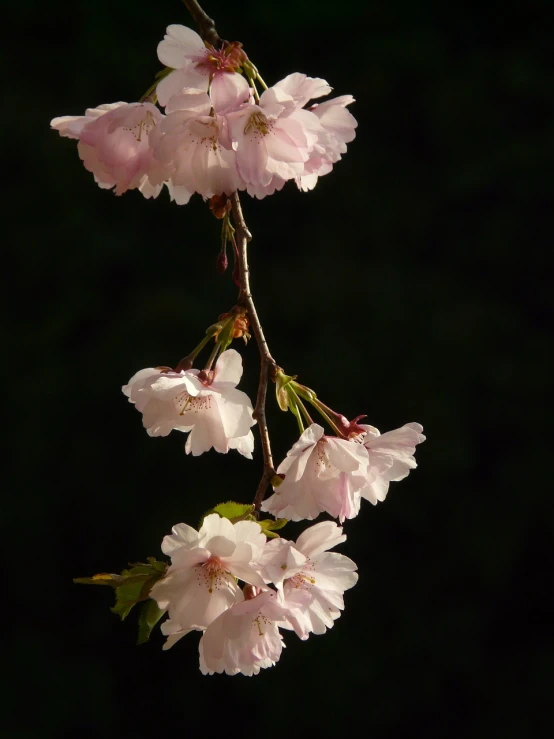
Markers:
(234, 511)
(270, 525)
(132, 586)
(149, 616)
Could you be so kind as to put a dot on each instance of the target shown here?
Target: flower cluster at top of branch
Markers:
(218, 134)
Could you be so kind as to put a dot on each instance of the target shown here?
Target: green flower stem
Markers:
(318, 405)
(294, 401)
(212, 356)
(260, 80)
(305, 413)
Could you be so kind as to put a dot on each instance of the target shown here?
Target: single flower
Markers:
(207, 405)
(245, 638)
(391, 457)
(201, 66)
(273, 138)
(194, 148)
(321, 473)
(311, 580)
(200, 583)
(340, 128)
(114, 145)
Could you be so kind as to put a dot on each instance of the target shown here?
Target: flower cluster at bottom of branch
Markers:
(288, 585)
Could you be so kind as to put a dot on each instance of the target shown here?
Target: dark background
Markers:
(411, 285)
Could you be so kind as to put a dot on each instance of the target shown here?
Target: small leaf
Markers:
(132, 586)
(269, 525)
(149, 616)
(234, 511)
(103, 578)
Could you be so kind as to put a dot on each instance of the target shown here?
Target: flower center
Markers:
(325, 470)
(228, 59)
(195, 404)
(260, 622)
(204, 132)
(258, 124)
(144, 126)
(304, 579)
(212, 574)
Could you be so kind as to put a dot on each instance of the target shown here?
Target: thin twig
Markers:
(205, 24)
(267, 363)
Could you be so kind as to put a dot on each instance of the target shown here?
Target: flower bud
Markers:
(220, 205)
(222, 262)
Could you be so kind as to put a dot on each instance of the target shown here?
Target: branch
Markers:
(205, 24)
(267, 363)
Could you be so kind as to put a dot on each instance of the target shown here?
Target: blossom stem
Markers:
(293, 403)
(260, 80)
(212, 357)
(305, 413)
(320, 408)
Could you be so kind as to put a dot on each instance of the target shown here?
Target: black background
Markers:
(411, 285)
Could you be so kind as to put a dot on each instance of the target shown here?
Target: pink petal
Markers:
(179, 45)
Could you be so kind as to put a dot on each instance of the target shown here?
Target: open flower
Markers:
(193, 146)
(200, 583)
(206, 404)
(391, 457)
(200, 66)
(340, 126)
(322, 473)
(311, 580)
(272, 139)
(245, 638)
(114, 144)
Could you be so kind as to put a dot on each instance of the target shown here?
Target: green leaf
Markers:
(149, 616)
(103, 578)
(234, 511)
(132, 586)
(269, 525)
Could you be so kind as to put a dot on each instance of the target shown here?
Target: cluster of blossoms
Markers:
(241, 626)
(217, 135)
(320, 474)
(296, 586)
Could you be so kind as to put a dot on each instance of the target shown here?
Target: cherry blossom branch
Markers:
(267, 363)
(205, 24)
(206, 27)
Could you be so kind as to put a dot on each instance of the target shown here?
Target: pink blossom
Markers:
(321, 473)
(114, 144)
(194, 147)
(391, 457)
(200, 583)
(298, 89)
(208, 405)
(310, 579)
(339, 125)
(245, 638)
(202, 67)
(273, 138)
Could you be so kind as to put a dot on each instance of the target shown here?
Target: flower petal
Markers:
(319, 538)
(180, 45)
(228, 368)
